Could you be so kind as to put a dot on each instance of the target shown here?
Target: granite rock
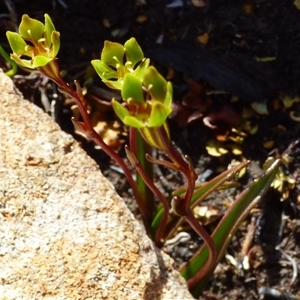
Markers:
(64, 232)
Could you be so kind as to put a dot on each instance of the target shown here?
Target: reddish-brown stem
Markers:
(186, 168)
(160, 137)
(51, 70)
(160, 231)
(194, 223)
(137, 165)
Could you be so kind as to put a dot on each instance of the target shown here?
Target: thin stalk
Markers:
(51, 70)
(139, 148)
(149, 182)
(182, 205)
(186, 168)
(159, 137)
(194, 223)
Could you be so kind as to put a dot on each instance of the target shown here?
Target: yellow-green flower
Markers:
(149, 110)
(147, 95)
(36, 44)
(111, 67)
(147, 106)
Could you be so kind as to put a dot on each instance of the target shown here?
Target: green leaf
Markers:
(169, 95)
(49, 29)
(112, 53)
(103, 70)
(13, 64)
(229, 224)
(55, 40)
(120, 110)
(40, 61)
(117, 85)
(16, 42)
(31, 28)
(155, 83)
(159, 114)
(133, 52)
(125, 116)
(132, 88)
(134, 122)
(22, 62)
(141, 70)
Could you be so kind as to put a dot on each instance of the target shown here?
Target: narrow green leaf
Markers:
(229, 224)
(169, 95)
(13, 64)
(55, 40)
(49, 29)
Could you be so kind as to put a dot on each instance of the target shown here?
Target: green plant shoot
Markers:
(147, 103)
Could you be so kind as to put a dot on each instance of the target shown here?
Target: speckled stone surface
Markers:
(64, 232)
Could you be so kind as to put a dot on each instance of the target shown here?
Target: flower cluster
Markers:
(147, 95)
(36, 44)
